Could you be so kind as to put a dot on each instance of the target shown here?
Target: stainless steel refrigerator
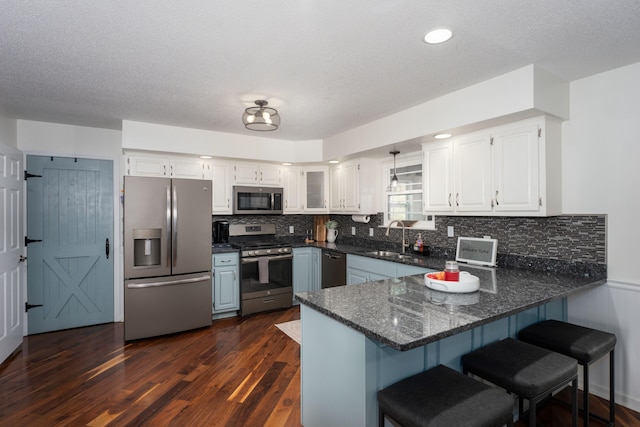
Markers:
(167, 255)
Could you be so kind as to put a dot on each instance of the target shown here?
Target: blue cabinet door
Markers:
(306, 270)
(225, 282)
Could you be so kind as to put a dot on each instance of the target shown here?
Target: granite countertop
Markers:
(405, 314)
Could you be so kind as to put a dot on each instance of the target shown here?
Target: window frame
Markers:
(409, 159)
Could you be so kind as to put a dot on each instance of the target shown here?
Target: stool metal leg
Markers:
(380, 417)
(612, 390)
(574, 403)
(585, 391)
(532, 412)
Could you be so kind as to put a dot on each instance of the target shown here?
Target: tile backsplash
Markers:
(566, 238)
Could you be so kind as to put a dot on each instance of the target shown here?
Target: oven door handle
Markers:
(271, 258)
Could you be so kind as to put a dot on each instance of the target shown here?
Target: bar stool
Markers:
(586, 345)
(526, 370)
(442, 397)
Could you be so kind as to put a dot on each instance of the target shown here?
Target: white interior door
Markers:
(12, 270)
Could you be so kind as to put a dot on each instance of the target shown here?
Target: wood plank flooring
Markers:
(239, 372)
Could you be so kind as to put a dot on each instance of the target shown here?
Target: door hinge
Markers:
(28, 240)
(28, 175)
(28, 306)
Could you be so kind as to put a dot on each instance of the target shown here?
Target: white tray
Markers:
(468, 283)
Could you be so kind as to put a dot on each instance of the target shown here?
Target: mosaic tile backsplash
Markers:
(522, 241)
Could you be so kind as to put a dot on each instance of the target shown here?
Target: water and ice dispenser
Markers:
(147, 247)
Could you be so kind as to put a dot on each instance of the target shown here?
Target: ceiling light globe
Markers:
(439, 35)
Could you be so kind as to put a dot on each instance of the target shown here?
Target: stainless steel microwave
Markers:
(257, 200)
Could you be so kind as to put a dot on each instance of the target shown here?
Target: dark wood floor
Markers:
(239, 372)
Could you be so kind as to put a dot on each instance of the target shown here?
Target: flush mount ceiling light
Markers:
(442, 135)
(439, 35)
(261, 118)
(393, 185)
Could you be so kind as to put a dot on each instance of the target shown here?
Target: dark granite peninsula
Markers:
(360, 338)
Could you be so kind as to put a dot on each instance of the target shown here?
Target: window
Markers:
(405, 202)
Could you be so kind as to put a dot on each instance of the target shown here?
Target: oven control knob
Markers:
(268, 251)
(250, 253)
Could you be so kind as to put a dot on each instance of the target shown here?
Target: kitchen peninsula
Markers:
(360, 338)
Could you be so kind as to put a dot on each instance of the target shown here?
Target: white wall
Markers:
(601, 151)
(148, 136)
(8, 132)
(522, 93)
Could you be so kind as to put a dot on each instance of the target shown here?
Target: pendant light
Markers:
(393, 185)
(261, 118)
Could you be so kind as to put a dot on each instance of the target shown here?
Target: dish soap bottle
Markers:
(419, 245)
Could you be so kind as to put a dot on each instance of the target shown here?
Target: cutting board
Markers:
(319, 230)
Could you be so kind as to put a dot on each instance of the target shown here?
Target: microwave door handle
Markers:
(168, 210)
(174, 229)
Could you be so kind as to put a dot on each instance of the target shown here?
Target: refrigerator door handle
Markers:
(169, 226)
(174, 229)
(167, 283)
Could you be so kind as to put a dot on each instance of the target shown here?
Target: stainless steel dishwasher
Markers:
(334, 269)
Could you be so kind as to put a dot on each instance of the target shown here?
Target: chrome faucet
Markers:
(404, 240)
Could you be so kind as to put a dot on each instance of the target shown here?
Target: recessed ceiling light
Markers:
(333, 161)
(442, 136)
(439, 35)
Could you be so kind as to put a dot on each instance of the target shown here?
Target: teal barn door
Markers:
(70, 258)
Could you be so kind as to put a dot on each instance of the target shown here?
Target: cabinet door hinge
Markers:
(539, 132)
(540, 201)
(491, 141)
(358, 166)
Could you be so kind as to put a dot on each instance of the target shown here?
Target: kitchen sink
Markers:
(383, 253)
(389, 254)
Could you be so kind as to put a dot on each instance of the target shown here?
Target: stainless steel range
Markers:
(266, 273)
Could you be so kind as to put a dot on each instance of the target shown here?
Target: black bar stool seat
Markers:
(584, 344)
(443, 397)
(530, 372)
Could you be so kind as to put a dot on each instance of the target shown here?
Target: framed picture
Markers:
(478, 251)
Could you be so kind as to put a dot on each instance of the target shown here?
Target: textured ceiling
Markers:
(327, 66)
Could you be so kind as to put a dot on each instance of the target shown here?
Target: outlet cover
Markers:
(353, 231)
(450, 231)
(370, 232)
(291, 229)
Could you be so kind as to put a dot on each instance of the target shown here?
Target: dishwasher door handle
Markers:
(333, 255)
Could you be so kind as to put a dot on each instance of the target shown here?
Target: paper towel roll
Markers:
(361, 218)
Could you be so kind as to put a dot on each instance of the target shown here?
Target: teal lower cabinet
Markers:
(342, 369)
(307, 270)
(225, 285)
(363, 269)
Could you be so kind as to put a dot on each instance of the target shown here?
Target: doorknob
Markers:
(107, 247)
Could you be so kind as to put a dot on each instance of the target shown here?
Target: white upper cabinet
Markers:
(258, 174)
(516, 170)
(220, 173)
(472, 173)
(316, 189)
(511, 170)
(162, 166)
(353, 185)
(437, 173)
(293, 178)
